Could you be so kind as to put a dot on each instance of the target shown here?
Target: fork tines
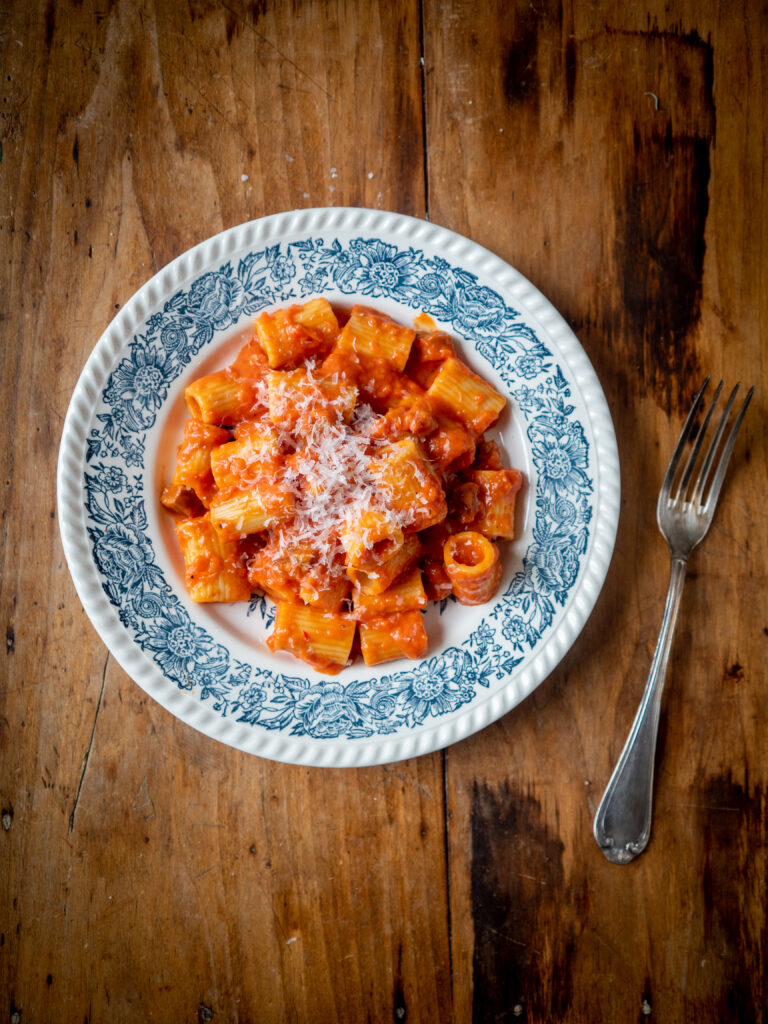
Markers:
(706, 487)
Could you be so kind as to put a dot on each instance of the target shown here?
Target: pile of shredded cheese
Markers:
(329, 475)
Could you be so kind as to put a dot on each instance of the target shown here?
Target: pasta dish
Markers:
(339, 466)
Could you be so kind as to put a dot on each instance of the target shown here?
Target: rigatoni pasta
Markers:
(338, 466)
(473, 567)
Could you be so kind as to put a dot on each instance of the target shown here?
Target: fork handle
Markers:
(623, 820)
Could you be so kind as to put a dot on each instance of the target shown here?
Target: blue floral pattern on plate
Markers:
(298, 705)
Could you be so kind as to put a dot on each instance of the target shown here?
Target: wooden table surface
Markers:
(613, 153)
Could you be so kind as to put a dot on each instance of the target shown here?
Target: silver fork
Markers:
(684, 513)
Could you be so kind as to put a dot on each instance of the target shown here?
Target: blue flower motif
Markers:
(554, 421)
(139, 381)
(477, 310)
(314, 281)
(252, 697)
(438, 689)
(134, 455)
(154, 322)
(283, 269)
(528, 366)
(483, 638)
(552, 567)
(182, 649)
(124, 555)
(515, 629)
(324, 711)
(381, 269)
(112, 478)
(214, 682)
(217, 299)
(526, 398)
(118, 419)
(562, 460)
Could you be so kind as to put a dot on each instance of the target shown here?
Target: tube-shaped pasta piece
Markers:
(451, 447)
(291, 335)
(321, 639)
(251, 360)
(497, 492)
(275, 585)
(473, 567)
(372, 334)
(181, 500)
(410, 484)
(318, 315)
(279, 566)
(386, 637)
(437, 585)
(296, 400)
(193, 459)
(413, 416)
(404, 595)
(324, 588)
(222, 398)
(371, 527)
(238, 513)
(214, 571)
(384, 563)
(463, 394)
(428, 353)
(239, 463)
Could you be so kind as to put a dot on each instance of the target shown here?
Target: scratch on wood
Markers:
(279, 52)
(207, 870)
(279, 923)
(63, 906)
(710, 807)
(88, 748)
(223, 117)
(144, 802)
(516, 942)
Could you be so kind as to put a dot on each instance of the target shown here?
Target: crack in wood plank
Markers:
(423, 83)
(447, 854)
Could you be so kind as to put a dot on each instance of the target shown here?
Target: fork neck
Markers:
(677, 569)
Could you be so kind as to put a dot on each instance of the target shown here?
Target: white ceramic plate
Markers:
(208, 664)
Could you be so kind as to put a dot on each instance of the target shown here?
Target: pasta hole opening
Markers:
(195, 409)
(467, 552)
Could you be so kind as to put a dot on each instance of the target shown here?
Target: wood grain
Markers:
(602, 154)
(616, 156)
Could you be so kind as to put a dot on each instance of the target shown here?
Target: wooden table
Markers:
(616, 155)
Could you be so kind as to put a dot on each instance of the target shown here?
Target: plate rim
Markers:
(484, 708)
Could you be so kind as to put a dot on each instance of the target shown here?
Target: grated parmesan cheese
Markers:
(329, 475)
